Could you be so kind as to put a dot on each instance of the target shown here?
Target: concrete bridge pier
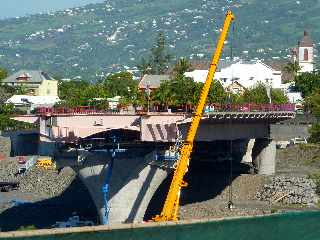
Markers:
(133, 183)
(264, 156)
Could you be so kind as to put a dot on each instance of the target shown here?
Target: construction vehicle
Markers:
(171, 205)
(46, 164)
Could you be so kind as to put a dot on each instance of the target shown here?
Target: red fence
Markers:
(76, 110)
(213, 107)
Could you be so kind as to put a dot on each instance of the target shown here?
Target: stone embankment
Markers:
(290, 190)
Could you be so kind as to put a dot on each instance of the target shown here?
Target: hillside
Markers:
(99, 38)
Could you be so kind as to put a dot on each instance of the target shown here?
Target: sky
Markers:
(15, 8)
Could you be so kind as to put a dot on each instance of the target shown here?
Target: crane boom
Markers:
(171, 205)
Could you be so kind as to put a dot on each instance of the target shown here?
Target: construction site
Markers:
(215, 172)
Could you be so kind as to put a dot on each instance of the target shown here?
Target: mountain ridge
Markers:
(89, 42)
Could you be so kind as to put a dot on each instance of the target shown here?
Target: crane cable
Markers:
(230, 193)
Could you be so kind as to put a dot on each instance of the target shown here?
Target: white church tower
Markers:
(305, 53)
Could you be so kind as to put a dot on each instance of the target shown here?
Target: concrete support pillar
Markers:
(247, 157)
(132, 185)
(46, 146)
(264, 156)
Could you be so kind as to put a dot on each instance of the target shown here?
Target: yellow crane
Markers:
(171, 205)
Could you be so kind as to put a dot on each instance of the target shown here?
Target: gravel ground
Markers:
(290, 190)
(244, 188)
(58, 195)
(54, 197)
(43, 183)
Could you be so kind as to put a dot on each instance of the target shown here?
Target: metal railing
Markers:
(251, 107)
(248, 107)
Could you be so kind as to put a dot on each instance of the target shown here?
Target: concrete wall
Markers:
(225, 131)
(296, 127)
(284, 132)
(293, 226)
(21, 142)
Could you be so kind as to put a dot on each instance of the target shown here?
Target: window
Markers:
(306, 55)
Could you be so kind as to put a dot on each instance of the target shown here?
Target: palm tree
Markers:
(182, 66)
(292, 68)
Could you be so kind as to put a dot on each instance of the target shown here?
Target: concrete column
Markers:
(133, 183)
(46, 146)
(247, 157)
(264, 156)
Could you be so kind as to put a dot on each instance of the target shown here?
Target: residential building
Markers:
(36, 83)
(152, 82)
(245, 74)
(27, 102)
(236, 88)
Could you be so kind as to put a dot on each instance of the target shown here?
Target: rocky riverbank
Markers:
(43, 183)
(290, 190)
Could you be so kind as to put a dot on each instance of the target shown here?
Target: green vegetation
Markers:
(292, 68)
(159, 59)
(316, 178)
(309, 85)
(27, 228)
(7, 124)
(190, 27)
(3, 73)
(7, 110)
(315, 133)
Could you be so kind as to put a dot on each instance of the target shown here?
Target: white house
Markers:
(33, 101)
(247, 74)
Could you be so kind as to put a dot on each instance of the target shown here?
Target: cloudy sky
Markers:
(14, 8)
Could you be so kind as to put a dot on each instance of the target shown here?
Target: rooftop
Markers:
(306, 41)
(152, 81)
(29, 76)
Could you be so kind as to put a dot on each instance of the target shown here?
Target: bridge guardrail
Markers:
(248, 107)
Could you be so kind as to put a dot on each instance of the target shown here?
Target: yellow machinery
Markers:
(47, 164)
(171, 205)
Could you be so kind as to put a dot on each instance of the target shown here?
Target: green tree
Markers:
(256, 94)
(308, 83)
(314, 133)
(159, 59)
(278, 97)
(121, 84)
(3, 73)
(144, 67)
(292, 68)
(73, 93)
(217, 93)
(164, 95)
(313, 103)
(182, 66)
(6, 123)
